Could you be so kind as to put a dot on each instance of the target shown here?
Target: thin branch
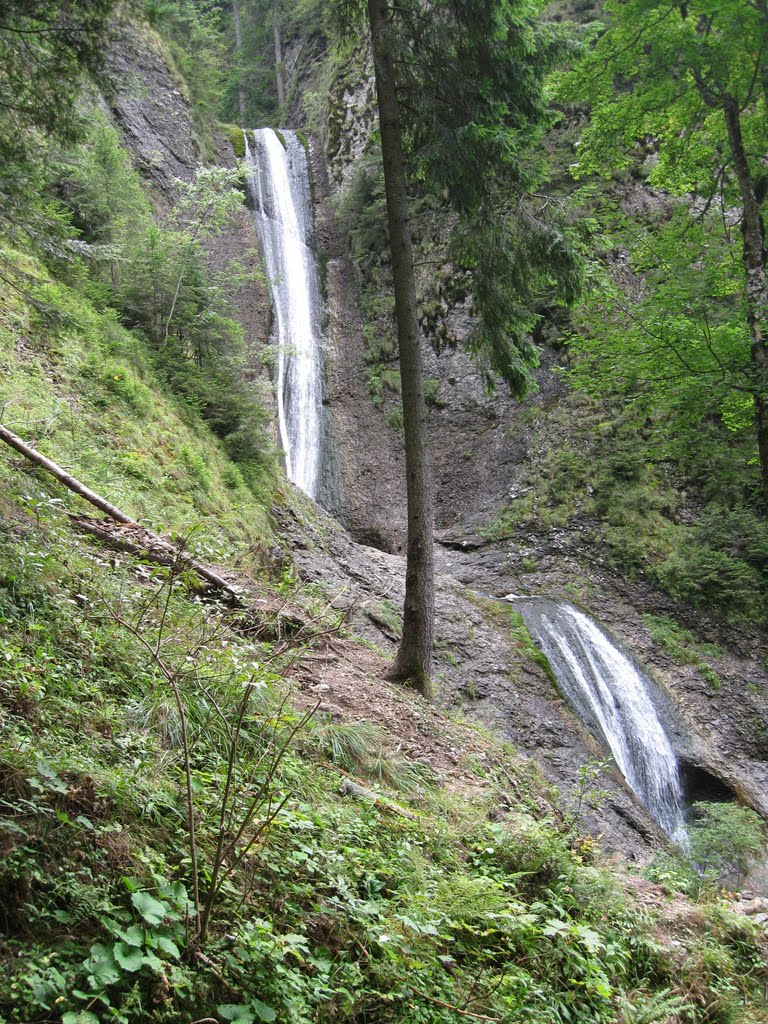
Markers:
(173, 683)
(449, 1006)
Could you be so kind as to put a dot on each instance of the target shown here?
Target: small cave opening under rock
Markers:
(372, 538)
(701, 785)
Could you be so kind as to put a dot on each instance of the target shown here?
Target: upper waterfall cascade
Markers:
(613, 697)
(280, 190)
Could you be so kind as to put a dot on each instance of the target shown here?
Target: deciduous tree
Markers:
(693, 78)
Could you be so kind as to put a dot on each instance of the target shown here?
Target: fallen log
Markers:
(63, 477)
(352, 786)
(130, 536)
(143, 543)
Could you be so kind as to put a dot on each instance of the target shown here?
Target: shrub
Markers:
(725, 840)
(703, 575)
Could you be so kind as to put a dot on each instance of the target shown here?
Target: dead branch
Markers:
(143, 543)
(140, 541)
(450, 1006)
(63, 477)
(352, 786)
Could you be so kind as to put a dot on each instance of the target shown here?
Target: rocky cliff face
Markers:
(479, 447)
(473, 437)
(148, 103)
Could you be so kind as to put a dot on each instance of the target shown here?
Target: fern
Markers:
(641, 1008)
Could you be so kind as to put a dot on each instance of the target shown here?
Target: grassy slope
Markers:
(83, 388)
(347, 911)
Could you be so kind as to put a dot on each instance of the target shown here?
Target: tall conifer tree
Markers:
(460, 89)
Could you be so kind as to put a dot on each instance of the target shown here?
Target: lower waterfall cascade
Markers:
(278, 182)
(613, 697)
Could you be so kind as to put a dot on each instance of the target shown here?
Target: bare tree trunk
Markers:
(414, 657)
(756, 284)
(278, 53)
(65, 478)
(239, 61)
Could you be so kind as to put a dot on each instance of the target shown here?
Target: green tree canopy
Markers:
(471, 80)
(665, 329)
(45, 47)
(686, 84)
(656, 81)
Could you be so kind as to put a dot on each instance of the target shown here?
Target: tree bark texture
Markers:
(278, 53)
(65, 478)
(239, 60)
(144, 543)
(414, 657)
(754, 256)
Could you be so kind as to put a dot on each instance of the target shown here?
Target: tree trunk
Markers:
(239, 61)
(278, 53)
(754, 256)
(414, 657)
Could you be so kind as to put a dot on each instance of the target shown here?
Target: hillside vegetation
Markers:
(174, 844)
(127, 698)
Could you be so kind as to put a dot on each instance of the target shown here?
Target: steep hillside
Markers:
(567, 494)
(212, 806)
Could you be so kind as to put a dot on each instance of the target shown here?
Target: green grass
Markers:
(235, 135)
(82, 389)
(504, 616)
(683, 647)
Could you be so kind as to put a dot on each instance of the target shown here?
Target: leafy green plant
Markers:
(725, 839)
(136, 947)
(683, 647)
(587, 788)
(658, 1008)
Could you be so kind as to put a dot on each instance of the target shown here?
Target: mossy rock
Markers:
(237, 138)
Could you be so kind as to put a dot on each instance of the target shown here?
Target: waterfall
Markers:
(278, 176)
(613, 697)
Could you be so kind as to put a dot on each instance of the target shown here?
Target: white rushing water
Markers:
(614, 698)
(280, 190)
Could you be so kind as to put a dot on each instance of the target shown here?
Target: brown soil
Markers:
(347, 679)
